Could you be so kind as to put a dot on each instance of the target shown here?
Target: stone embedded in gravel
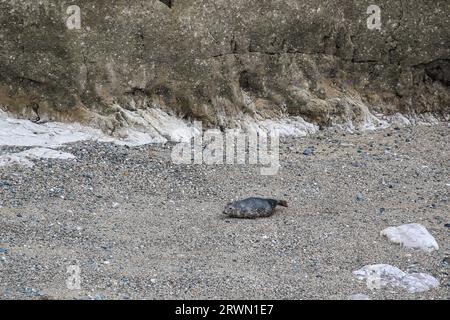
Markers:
(359, 297)
(31, 292)
(308, 152)
(383, 275)
(115, 205)
(99, 297)
(414, 236)
(359, 196)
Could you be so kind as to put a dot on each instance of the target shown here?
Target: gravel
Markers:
(140, 227)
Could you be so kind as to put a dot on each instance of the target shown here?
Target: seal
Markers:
(253, 208)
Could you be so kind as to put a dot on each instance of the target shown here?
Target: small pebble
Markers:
(359, 196)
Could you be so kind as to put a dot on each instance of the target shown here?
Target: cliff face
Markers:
(220, 60)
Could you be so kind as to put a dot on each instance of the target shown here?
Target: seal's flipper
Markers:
(282, 203)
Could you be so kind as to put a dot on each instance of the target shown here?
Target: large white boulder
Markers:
(413, 236)
(381, 275)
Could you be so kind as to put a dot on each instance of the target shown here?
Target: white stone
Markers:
(45, 153)
(294, 126)
(23, 158)
(359, 297)
(13, 159)
(413, 236)
(383, 275)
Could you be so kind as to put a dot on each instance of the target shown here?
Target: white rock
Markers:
(17, 132)
(359, 297)
(169, 127)
(45, 153)
(153, 126)
(12, 159)
(115, 205)
(23, 158)
(295, 126)
(382, 275)
(413, 236)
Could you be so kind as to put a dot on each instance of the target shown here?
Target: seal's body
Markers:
(253, 208)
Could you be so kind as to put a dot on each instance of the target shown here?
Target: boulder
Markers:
(413, 236)
(382, 275)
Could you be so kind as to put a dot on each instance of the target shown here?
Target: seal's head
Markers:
(229, 209)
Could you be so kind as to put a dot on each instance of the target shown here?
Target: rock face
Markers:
(382, 275)
(219, 61)
(414, 236)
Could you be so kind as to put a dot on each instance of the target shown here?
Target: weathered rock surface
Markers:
(24, 157)
(382, 275)
(413, 236)
(218, 61)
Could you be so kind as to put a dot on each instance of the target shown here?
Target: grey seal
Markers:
(253, 208)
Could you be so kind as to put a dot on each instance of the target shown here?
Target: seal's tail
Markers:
(282, 203)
